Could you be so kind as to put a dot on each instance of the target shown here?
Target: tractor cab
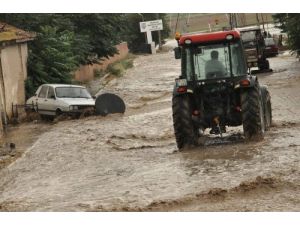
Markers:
(211, 56)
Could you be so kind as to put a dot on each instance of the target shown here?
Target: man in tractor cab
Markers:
(214, 68)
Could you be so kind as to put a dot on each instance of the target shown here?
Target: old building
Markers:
(13, 70)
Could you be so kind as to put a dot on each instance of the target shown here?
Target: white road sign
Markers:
(151, 25)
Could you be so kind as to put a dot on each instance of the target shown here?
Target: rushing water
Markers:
(130, 161)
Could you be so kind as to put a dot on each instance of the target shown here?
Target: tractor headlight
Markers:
(229, 37)
(188, 41)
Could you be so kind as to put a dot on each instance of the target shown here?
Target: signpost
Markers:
(148, 27)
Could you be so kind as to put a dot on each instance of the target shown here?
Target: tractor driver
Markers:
(214, 68)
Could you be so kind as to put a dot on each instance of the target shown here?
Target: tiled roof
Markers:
(10, 33)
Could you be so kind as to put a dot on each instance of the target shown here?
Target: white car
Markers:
(55, 99)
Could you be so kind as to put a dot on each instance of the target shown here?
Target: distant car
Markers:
(271, 49)
(51, 100)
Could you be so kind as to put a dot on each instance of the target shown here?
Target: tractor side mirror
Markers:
(198, 51)
(177, 52)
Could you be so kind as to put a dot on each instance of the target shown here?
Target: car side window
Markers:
(51, 93)
(43, 92)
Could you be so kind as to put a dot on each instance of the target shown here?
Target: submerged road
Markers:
(130, 162)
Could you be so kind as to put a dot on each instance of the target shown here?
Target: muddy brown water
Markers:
(130, 162)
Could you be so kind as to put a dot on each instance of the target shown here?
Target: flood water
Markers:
(130, 162)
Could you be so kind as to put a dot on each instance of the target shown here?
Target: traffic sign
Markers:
(151, 25)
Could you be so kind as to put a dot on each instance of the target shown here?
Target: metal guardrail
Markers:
(26, 107)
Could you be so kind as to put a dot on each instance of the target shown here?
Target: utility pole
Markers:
(170, 22)
(257, 19)
(263, 22)
(140, 14)
(235, 21)
(232, 20)
(159, 35)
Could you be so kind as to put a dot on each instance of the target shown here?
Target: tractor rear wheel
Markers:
(252, 113)
(185, 131)
(267, 107)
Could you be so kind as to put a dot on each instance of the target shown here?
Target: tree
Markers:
(51, 58)
(290, 23)
(280, 19)
(132, 34)
(95, 34)
(64, 41)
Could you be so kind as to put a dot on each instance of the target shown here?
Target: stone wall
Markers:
(86, 73)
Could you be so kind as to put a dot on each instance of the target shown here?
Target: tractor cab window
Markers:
(237, 60)
(210, 61)
(213, 61)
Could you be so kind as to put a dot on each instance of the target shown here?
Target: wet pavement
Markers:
(130, 162)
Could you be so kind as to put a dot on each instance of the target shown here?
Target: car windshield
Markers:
(213, 61)
(72, 92)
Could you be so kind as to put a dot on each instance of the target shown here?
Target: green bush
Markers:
(118, 68)
(98, 73)
(115, 69)
(127, 63)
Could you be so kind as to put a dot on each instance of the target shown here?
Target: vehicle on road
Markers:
(271, 49)
(214, 89)
(51, 100)
(254, 47)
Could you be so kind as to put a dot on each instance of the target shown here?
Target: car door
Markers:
(42, 100)
(50, 102)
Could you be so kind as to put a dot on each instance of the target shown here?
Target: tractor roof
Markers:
(208, 37)
(250, 28)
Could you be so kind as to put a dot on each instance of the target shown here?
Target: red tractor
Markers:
(214, 89)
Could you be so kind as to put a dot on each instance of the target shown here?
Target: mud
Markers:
(130, 162)
(22, 137)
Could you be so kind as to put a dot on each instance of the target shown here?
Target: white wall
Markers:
(13, 63)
